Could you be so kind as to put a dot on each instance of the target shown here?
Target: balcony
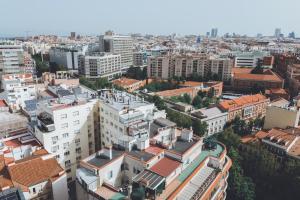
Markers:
(45, 122)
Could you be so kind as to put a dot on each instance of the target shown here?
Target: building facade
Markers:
(11, 59)
(119, 45)
(100, 66)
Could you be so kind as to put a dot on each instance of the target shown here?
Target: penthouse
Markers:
(181, 168)
(246, 107)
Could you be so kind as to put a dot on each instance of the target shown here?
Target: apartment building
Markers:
(254, 58)
(181, 168)
(100, 65)
(138, 59)
(187, 65)
(120, 45)
(213, 117)
(279, 108)
(283, 142)
(245, 107)
(68, 57)
(125, 118)
(11, 59)
(67, 128)
(17, 89)
(38, 177)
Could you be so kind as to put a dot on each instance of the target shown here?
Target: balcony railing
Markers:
(204, 186)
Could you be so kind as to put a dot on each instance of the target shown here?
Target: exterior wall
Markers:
(216, 124)
(250, 111)
(245, 84)
(121, 45)
(274, 118)
(11, 59)
(100, 66)
(65, 57)
(60, 189)
(80, 138)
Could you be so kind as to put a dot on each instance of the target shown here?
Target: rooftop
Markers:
(102, 159)
(208, 113)
(125, 82)
(165, 166)
(175, 92)
(242, 101)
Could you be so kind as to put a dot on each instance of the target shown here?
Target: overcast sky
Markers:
(93, 17)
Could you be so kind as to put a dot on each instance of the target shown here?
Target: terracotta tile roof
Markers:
(241, 70)
(241, 101)
(34, 170)
(40, 152)
(165, 166)
(257, 77)
(276, 91)
(154, 150)
(2, 103)
(125, 82)
(175, 92)
(4, 176)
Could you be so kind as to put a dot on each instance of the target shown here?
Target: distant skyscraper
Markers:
(198, 40)
(292, 35)
(207, 34)
(277, 32)
(214, 33)
(73, 35)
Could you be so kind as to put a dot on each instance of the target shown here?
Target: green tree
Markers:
(180, 119)
(199, 128)
(187, 99)
(197, 102)
(158, 102)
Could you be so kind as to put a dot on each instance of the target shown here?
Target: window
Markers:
(63, 116)
(76, 122)
(76, 113)
(64, 125)
(76, 131)
(78, 158)
(66, 145)
(54, 139)
(78, 150)
(77, 141)
(67, 163)
(65, 135)
(67, 153)
(54, 148)
(57, 156)
(110, 174)
(68, 170)
(69, 179)
(33, 190)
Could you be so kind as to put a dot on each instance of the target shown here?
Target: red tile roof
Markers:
(34, 170)
(2, 103)
(241, 101)
(165, 166)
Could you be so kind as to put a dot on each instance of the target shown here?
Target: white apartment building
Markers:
(100, 65)
(125, 119)
(213, 117)
(17, 89)
(66, 128)
(67, 57)
(11, 59)
(118, 44)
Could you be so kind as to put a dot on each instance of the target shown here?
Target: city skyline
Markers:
(95, 17)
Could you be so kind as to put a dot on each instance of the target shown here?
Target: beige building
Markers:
(276, 111)
(187, 65)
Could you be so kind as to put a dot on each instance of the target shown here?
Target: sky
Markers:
(159, 17)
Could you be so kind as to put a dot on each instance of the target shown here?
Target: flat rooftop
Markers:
(101, 160)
